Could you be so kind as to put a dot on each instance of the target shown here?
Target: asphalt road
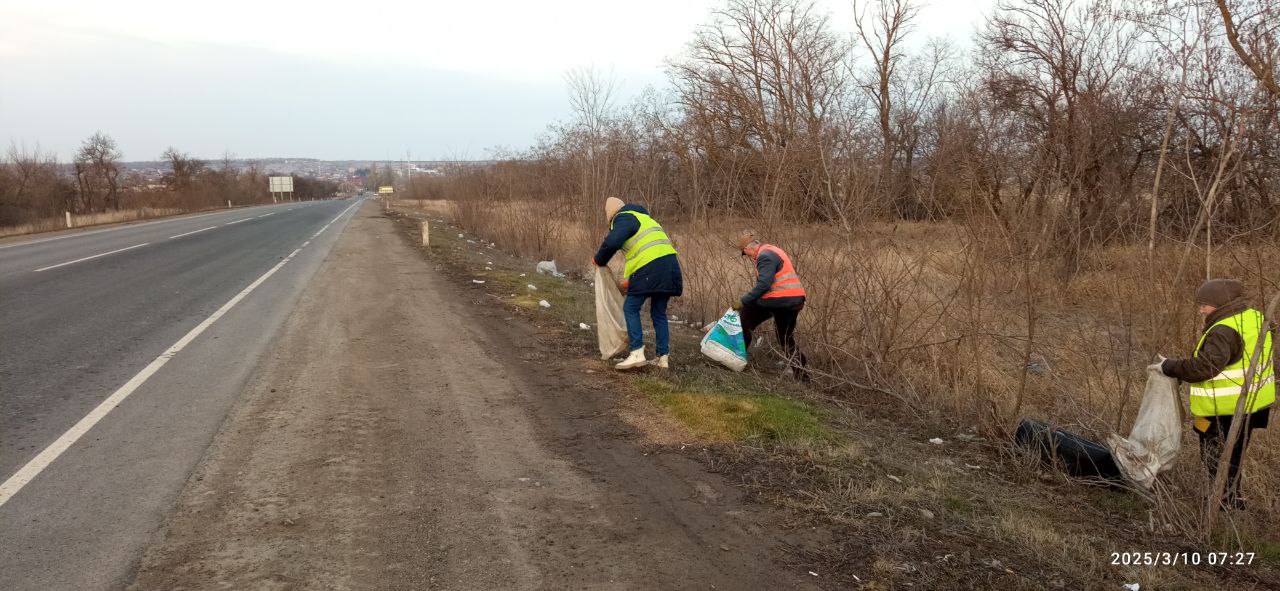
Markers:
(86, 316)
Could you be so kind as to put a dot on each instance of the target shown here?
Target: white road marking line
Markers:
(37, 464)
(335, 218)
(267, 214)
(101, 254)
(237, 221)
(191, 232)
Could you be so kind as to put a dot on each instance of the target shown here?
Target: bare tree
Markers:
(1254, 37)
(183, 169)
(759, 92)
(98, 173)
(882, 32)
(1065, 71)
(32, 186)
(591, 98)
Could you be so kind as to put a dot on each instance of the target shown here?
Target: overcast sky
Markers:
(374, 79)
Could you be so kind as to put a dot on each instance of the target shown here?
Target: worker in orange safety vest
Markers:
(777, 294)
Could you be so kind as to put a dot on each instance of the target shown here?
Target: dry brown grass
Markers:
(946, 513)
(89, 219)
(949, 322)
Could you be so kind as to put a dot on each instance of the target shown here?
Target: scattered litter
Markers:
(477, 281)
(488, 268)
(523, 479)
(522, 274)
(813, 573)
(584, 326)
(895, 479)
(875, 514)
(532, 286)
(469, 241)
(460, 236)
(927, 514)
(674, 318)
(972, 467)
(724, 547)
(936, 441)
(544, 303)
(549, 267)
(489, 263)
(1132, 586)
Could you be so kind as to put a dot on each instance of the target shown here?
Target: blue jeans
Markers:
(657, 312)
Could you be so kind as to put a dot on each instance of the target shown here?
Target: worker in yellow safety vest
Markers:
(651, 271)
(777, 294)
(1216, 374)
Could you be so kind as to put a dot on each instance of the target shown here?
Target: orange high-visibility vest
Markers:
(786, 283)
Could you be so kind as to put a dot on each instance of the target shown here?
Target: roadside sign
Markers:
(282, 186)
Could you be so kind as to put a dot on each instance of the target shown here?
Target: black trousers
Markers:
(753, 315)
(1213, 439)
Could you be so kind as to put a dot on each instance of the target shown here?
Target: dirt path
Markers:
(403, 438)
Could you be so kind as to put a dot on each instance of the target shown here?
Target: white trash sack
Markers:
(1153, 443)
(549, 268)
(611, 327)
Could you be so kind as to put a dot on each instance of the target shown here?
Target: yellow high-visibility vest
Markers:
(1217, 396)
(649, 243)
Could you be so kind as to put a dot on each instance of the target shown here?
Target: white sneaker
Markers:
(635, 359)
(661, 362)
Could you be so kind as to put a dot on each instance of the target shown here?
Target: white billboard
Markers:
(280, 184)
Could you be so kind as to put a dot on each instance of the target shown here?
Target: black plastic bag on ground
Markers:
(1078, 456)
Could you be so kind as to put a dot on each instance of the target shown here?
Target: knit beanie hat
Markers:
(611, 207)
(1219, 292)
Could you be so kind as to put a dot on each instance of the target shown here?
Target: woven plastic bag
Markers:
(1152, 445)
(724, 342)
(611, 327)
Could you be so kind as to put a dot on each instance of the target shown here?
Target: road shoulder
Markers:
(408, 434)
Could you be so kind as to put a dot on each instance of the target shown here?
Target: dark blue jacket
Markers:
(660, 277)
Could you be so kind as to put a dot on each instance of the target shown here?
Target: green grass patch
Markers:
(719, 416)
(1267, 551)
